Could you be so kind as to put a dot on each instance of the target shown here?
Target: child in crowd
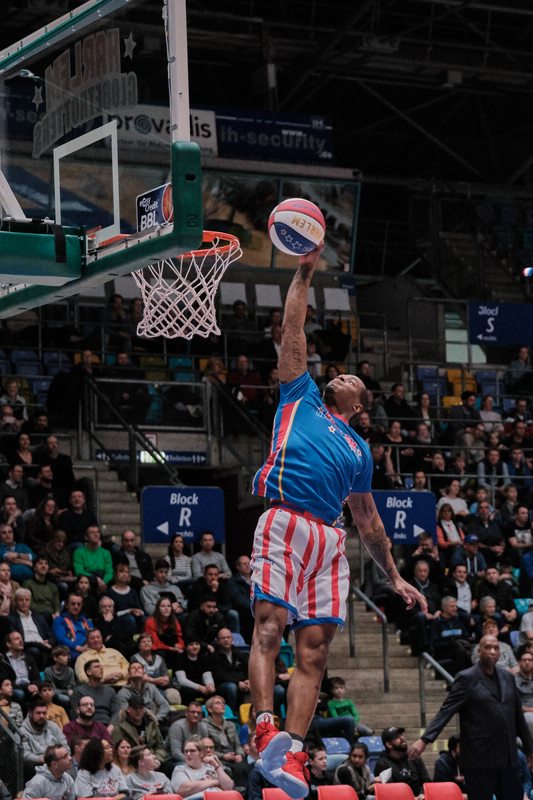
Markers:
(318, 774)
(354, 772)
(341, 706)
(8, 708)
(54, 712)
(60, 675)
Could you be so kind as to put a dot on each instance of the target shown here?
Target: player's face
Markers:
(343, 393)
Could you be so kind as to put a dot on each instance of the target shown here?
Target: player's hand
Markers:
(416, 749)
(311, 259)
(409, 594)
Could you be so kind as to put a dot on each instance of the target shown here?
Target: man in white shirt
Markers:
(34, 628)
(460, 587)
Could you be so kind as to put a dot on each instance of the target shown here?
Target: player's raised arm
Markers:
(372, 533)
(293, 355)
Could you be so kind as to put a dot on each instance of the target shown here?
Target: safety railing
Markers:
(423, 661)
(355, 591)
(11, 756)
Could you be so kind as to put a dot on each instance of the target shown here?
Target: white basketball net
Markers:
(178, 294)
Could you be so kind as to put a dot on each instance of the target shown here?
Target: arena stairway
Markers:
(364, 677)
(116, 507)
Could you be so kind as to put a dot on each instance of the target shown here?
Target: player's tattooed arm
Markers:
(293, 354)
(373, 535)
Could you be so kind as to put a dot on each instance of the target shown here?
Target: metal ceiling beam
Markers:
(436, 141)
(527, 12)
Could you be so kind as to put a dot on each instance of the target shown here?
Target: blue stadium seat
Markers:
(423, 373)
(436, 388)
(373, 743)
(337, 744)
(28, 368)
(24, 355)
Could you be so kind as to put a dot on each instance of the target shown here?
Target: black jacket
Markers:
(41, 624)
(490, 720)
(224, 672)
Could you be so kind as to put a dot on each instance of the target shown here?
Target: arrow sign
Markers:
(406, 514)
(163, 528)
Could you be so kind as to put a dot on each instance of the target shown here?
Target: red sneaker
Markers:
(272, 745)
(292, 777)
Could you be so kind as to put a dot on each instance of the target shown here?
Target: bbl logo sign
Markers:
(155, 207)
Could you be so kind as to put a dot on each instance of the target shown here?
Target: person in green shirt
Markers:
(44, 593)
(93, 560)
(341, 706)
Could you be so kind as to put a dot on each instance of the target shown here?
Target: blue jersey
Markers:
(316, 459)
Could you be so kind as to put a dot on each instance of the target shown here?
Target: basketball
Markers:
(296, 226)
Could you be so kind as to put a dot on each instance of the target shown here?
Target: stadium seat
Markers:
(166, 797)
(435, 387)
(337, 744)
(24, 355)
(228, 794)
(340, 792)
(273, 793)
(445, 790)
(374, 744)
(28, 368)
(427, 373)
(393, 791)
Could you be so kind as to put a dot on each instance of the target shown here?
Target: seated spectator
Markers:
(165, 631)
(492, 420)
(85, 725)
(114, 633)
(492, 474)
(449, 535)
(492, 585)
(180, 571)
(211, 583)
(11, 396)
(8, 588)
(23, 669)
(93, 560)
(245, 383)
(52, 779)
(402, 455)
(481, 495)
(20, 557)
(524, 684)
(439, 477)
(121, 756)
(461, 471)
(319, 775)
(154, 701)
(63, 484)
(384, 475)
(104, 696)
(23, 455)
(144, 780)
(37, 735)
(526, 626)
(229, 666)
(403, 770)
(11, 514)
(487, 610)
(365, 372)
(77, 746)
(354, 772)
(465, 415)
(41, 488)
(341, 706)
(448, 765)
(314, 362)
(54, 712)
(114, 664)
(140, 563)
(224, 734)
(469, 555)
(376, 412)
(71, 627)
(239, 590)
(460, 584)
(519, 439)
(76, 519)
(507, 658)
(397, 407)
(90, 599)
(60, 562)
(15, 485)
(193, 676)
(127, 602)
(414, 623)
(427, 551)
(161, 587)
(37, 426)
(97, 775)
(520, 474)
(451, 635)
(139, 727)
(421, 442)
(60, 675)
(520, 411)
(9, 708)
(41, 525)
(452, 497)
(189, 726)
(508, 507)
(155, 668)
(489, 532)
(44, 592)
(34, 628)
(208, 555)
(204, 623)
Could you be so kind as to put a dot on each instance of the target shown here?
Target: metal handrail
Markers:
(13, 733)
(357, 592)
(424, 659)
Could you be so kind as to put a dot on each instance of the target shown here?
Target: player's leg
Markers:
(270, 622)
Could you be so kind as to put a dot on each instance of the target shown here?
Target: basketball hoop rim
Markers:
(212, 236)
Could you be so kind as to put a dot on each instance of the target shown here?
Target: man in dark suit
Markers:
(34, 628)
(491, 718)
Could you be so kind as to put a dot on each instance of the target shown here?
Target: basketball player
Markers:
(300, 571)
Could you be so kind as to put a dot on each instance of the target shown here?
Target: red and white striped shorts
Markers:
(299, 562)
